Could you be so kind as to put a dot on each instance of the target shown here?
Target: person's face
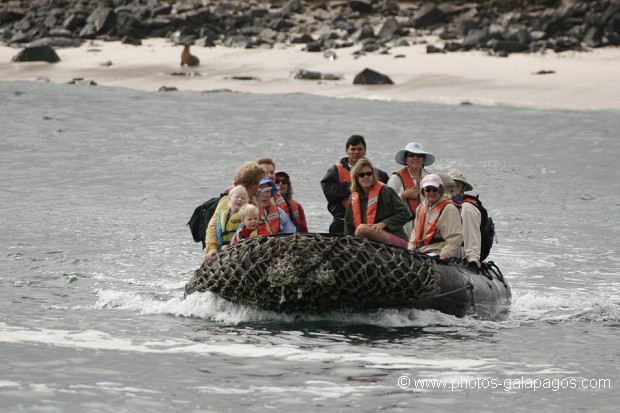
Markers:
(432, 194)
(414, 161)
(365, 178)
(282, 184)
(355, 153)
(238, 200)
(251, 222)
(459, 188)
(252, 190)
(270, 170)
(264, 195)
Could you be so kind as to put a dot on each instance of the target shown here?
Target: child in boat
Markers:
(228, 219)
(252, 226)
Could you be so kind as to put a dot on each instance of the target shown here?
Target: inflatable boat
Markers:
(319, 273)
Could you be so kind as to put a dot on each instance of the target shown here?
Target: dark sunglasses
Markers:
(363, 174)
(414, 155)
(431, 189)
(282, 181)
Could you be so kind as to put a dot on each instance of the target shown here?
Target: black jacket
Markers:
(335, 191)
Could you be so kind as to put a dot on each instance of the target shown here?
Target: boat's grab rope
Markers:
(311, 272)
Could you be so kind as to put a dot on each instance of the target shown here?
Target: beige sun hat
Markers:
(414, 147)
(448, 182)
(457, 176)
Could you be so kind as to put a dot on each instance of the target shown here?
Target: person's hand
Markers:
(410, 193)
(209, 255)
(377, 227)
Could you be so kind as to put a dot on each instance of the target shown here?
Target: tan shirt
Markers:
(472, 238)
(449, 228)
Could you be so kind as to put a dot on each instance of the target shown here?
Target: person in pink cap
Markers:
(437, 228)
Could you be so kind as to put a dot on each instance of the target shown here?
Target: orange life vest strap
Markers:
(428, 237)
(371, 207)
(408, 183)
(344, 175)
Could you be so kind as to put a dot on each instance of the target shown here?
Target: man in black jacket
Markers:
(337, 182)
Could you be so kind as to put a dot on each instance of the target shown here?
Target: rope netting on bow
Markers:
(314, 273)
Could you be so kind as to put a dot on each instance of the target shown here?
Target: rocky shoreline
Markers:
(375, 26)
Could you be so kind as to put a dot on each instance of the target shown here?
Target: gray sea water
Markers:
(96, 185)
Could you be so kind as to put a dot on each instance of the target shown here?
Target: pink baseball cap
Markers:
(432, 180)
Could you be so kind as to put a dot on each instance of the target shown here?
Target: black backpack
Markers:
(487, 228)
(200, 219)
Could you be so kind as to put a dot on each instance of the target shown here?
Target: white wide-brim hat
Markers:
(414, 147)
(457, 176)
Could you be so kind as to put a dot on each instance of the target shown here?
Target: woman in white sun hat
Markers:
(406, 181)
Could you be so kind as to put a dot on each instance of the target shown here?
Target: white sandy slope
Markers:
(581, 80)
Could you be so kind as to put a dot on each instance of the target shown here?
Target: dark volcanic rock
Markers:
(390, 28)
(564, 44)
(57, 42)
(314, 47)
(434, 49)
(8, 16)
(361, 6)
(36, 54)
(102, 19)
(371, 77)
(131, 40)
(304, 38)
(476, 38)
(307, 74)
(507, 46)
(428, 15)
(328, 24)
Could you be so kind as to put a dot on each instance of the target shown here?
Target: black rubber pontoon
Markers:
(318, 273)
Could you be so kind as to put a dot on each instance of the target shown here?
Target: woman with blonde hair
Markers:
(375, 211)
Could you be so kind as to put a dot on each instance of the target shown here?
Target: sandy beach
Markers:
(574, 80)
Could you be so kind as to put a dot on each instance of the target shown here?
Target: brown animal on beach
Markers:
(187, 58)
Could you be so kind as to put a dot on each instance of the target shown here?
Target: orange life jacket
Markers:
(293, 211)
(272, 218)
(281, 202)
(471, 200)
(344, 175)
(408, 183)
(371, 207)
(428, 237)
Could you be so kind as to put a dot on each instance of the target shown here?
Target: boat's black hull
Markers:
(318, 273)
(464, 291)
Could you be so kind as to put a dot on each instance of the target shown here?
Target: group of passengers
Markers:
(412, 208)
(260, 202)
